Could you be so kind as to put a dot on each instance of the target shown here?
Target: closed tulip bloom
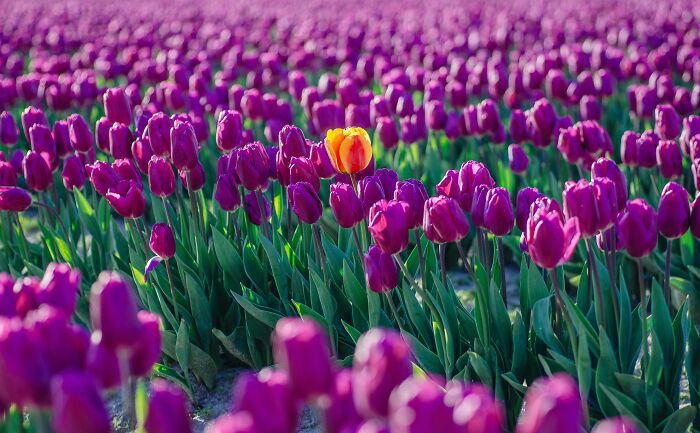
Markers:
(474, 408)
(61, 137)
(158, 132)
(517, 159)
(498, 212)
(472, 174)
(418, 405)
(444, 221)
(388, 225)
(350, 149)
(435, 115)
(142, 152)
(301, 348)
(79, 133)
(167, 409)
(226, 193)
(338, 411)
(301, 169)
(194, 179)
(44, 144)
(102, 176)
(517, 126)
(637, 226)
(253, 211)
(668, 124)
(146, 351)
(8, 175)
(669, 159)
(381, 272)
(24, 373)
(102, 363)
(292, 143)
(646, 149)
(161, 178)
(607, 168)
(14, 199)
(162, 241)
(695, 218)
(229, 130)
(346, 205)
(37, 172)
(102, 127)
(590, 108)
(615, 425)
(412, 191)
(127, 199)
(371, 191)
(487, 116)
(268, 392)
(321, 161)
(120, 138)
(674, 211)
(628, 148)
(126, 170)
(32, 116)
(552, 405)
(449, 185)
(388, 133)
(523, 202)
(9, 133)
(113, 311)
(381, 363)
(479, 204)
(117, 106)
(59, 288)
(184, 147)
(550, 242)
(542, 119)
(251, 166)
(580, 201)
(691, 128)
(305, 202)
(77, 405)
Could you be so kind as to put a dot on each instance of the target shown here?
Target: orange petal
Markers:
(355, 153)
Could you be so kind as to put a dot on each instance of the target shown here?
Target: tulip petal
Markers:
(572, 234)
(151, 266)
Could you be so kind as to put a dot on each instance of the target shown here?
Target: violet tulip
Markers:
(77, 405)
(146, 351)
(498, 212)
(580, 201)
(59, 288)
(628, 148)
(669, 159)
(615, 425)
(158, 132)
(61, 137)
(388, 133)
(161, 178)
(9, 133)
(646, 149)
(127, 199)
(607, 168)
(381, 272)
(388, 225)
(637, 227)
(162, 241)
(229, 130)
(79, 133)
(304, 201)
(113, 311)
(475, 408)
(674, 211)
(668, 123)
(321, 161)
(444, 221)
(695, 218)
(37, 172)
(418, 405)
(117, 106)
(301, 169)
(14, 199)
(412, 191)
(517, 159)
(251, 166)
(102, 127)
(184, 147)
(8, 175)
(167, 409)
(552, 405)
(472, 174)
(478, 205)
(252, 209)
(523, 202)
(550, 241)
(226, 193)
(345, 204)
(518, 127)
(24, 373)
(268, 392)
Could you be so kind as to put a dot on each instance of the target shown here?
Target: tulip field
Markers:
(438, 216)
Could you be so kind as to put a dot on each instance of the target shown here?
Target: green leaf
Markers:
(199, 305)
(182, 348)
(542, 324)
(427, 359)
(680, 420)
(266, 315)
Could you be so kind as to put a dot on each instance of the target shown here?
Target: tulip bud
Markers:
(194, 179)
(301, 169)
(251, 166)
(418, 405)
(63, 346)
(79, 133)
(449, 185)
(102, 127)
(253, 211)
(127, 199)
(24, 373)
(615, 425)
(550, 241)
(14, 199)
(388, 134)
(669, 159)
(668, 124)
(127, 170)
(161, 178)
(32, 116)
(146, 351)
(542, 119)
(77, 405)
(498, 212)
(590, 109)
(607, 168)
(646, 149)
(381, 363)
(637, 226)
(305, 202)
(552, 404)
(412, 191)
(8, 176)
(44, 144)
(102, 176)
(487, 116)
(184, 147)
(9, 133)
(350, 150)
(102, 363)
(113, 311)
(381, 272)
(523, 203)
(517, 159)
(116, 105)
(36, 172)
(628, 148)
(388, 225)
(229, 130)
(73, 174)
(301, 349)
(339, 409)
(674, 211)
(167, 409)
(517, 127)
(321, 161)
(580, 201)
(474, 408)
(478, 205)
(61, 137)
(345, 204)
(472, 174)
(158, 133)
(257, 394)
(226, 193)
(371, 191)
(162, 241)
(444, 221)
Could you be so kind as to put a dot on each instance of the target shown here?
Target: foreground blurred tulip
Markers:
(9, 133)
(637, 225)
(240, 422)
(59, 288)
(350, 149)
(552, 405)
(113, 311)
(444, 221)
(475, 409)
(268, 392)
(184, 147)
(116, 105)
(300, 348)
(615, 425)
(388, 225)
(417, 406)
(381, 272)
(146, 351)
(550, 241)
(339, 410)
(77, 405)
(305, 202)
(14, 199)
(381, 363)
(345, 204)
(167, 409)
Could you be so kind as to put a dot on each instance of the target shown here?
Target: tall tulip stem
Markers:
(643, 312)
(421, 259)
(261, 206)
(443, 269)
(320, 253)
(667, 274)
(502, 266)
(176, 308)
(593, 267)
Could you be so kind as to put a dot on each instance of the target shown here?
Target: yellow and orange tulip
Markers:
(350, 149)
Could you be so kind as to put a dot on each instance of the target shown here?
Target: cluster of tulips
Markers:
(342, 165)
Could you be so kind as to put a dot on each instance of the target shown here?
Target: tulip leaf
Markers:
(265, 315)
(542, 324)
(426, 358)
(680, 420)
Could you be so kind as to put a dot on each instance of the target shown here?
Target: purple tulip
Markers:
(517, 159)
(117, 106)
(9, 133)
(167, 409)
(8, 175)
(518, 127)
(345, 204)
(77, 405)
(37, 172)
(550, 242)
(102, 176)
(646, 149)
(161, 178)
(102, 127)
(184, 147)
(253, 211)
(498, 212)
(339, 410)
(580, 201)
(268, 392)
(59, 288)
(44, 144)
(304, 201)
(552, 405)
(381, 272)
(449, 185)
(435, 115)
(193, 180)
(240, 422)
(628, 148)
(388, 225)
(472, 174)
(590, 108)
(669, 159)
(226, 193)
(102, 363)
(388, 133)
(695, 218)
(229, 130)
(479, 204)
(321, 161)
(418, 405)
(14, 199)
(113, 311)
(523, 203)
(474, 408)
(146, 351)
(61, 137)
(162, 241)
(542, 119)
(412, 191)
(32, 116)
(127, 199)
(607, 168)
(637, 226)
(158, 132)
(444, 221)
(674, 211)
(615, 425)
(370, 191)
(668, 124)
(301, 169)
(251, 166)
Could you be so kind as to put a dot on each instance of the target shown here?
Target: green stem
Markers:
(502, 263)
(592, 265)
(172, 291)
